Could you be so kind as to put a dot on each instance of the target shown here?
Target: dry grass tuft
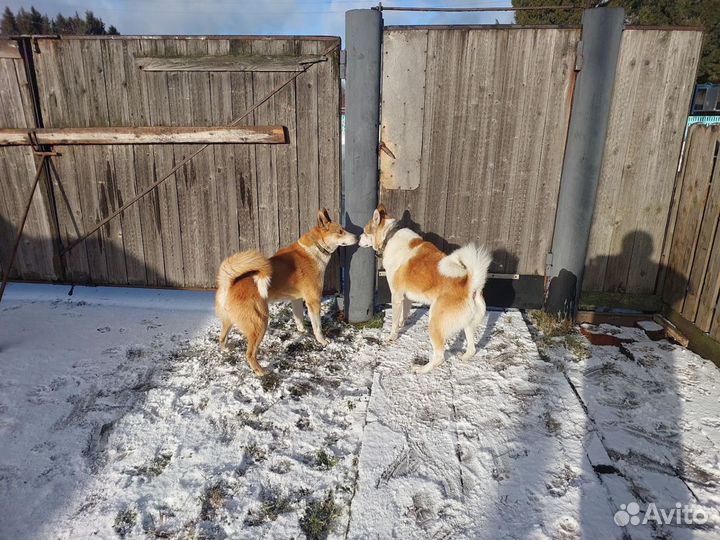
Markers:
(320, 517)
(551, 325)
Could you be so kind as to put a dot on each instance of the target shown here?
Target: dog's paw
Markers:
(392, 337)
(261, 372)
(322, 341)
(466, 356)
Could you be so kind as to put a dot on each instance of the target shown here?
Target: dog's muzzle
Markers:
(365, 240)
(349, 240)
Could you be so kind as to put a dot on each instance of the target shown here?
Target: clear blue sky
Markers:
(308, 17)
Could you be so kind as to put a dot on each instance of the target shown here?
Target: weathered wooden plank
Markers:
(266, 169)
(286, 155)
(146, 135)
(153, 162)
(206, 181)
(9, 49)
(704, 283)
(101, 161)
(113, 58)
(630, 241)
(73, 85)
(224, 156)
(506, 154)
(637, 178)
(486, 161)
(617, 141)
(538, 62)
(188, 199)
(52, 84)
(229, 63)
(476, 64)
(692, 198)
(408, 206)
(246, 190)
(402, 108)
(330, 177)
(308, 149)
(683, 53)
(197, 190)
(134, 112)
(17, 168)
(540, 218)
(445, 49)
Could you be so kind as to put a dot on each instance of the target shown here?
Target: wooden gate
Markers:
(474, 122)
(474, 126)
(229, 197)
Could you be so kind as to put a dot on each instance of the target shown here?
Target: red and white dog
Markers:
(248, 281)
(417, 271)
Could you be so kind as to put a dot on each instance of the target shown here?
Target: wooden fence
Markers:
(691, 287)
(229, 197)
(474, 122)
(474, 125)
(653, 87)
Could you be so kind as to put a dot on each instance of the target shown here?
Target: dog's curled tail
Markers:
(468, 260)
(246, 262)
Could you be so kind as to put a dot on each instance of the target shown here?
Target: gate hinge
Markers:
(548, 262)
(579, 56)
(342, 63)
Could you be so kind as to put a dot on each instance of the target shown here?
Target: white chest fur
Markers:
(398, 252)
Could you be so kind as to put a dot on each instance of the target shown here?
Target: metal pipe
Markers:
(363, 28)
(597, 62)
(462, 9)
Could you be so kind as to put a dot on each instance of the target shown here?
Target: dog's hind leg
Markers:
(437, 337)
(254, 337)
(470, 346)
(226, 326)
(297, 309)
(406, 305)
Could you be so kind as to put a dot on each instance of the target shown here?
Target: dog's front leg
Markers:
(314, 312)
(297, 308)
(397, 315)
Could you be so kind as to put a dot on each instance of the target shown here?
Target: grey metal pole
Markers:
(363, 35)
(601, 32)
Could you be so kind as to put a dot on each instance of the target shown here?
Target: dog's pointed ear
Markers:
(323, 219)
(379, 214)
(377, 218)
(327, 215)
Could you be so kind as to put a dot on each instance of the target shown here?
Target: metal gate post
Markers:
(598, 56)
(363, 35)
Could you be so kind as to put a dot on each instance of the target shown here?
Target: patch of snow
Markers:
(489, 448)
(120, 417)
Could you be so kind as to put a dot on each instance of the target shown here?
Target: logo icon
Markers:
(627, 514)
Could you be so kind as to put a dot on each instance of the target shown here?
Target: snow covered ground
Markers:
(120, 417)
